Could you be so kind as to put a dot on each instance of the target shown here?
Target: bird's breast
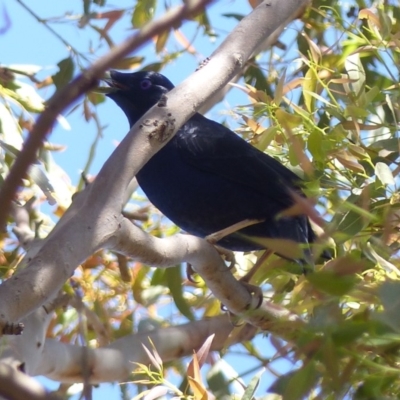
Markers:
(197, 201)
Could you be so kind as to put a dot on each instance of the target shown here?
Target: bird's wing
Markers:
(209, 146)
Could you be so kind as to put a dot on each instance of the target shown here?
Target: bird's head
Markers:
(137, 92)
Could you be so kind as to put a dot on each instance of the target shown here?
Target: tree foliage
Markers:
(323, 100)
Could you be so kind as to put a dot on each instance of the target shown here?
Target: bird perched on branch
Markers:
(207, 179)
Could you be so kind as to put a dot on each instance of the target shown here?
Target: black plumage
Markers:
(207, 178)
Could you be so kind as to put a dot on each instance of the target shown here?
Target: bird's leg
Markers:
(228, 255)
(189, 273)
(217, 236)
(256, 293)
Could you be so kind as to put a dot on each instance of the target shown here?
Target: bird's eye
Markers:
(145, 84)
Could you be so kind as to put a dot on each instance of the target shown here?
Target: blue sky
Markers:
(27, 42)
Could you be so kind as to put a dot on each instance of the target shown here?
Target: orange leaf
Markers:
(199, 391)
(181, 38)
(370, 16)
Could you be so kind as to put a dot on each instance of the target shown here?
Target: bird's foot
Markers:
(189, 273)
(257, 295)
(255, 291)
(217, 236)
(228, 255)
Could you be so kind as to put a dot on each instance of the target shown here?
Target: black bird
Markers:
(207, 178)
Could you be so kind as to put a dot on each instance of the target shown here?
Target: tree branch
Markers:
(63, 362)
(15, 385)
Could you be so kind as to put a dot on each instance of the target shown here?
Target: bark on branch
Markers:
(115, 362)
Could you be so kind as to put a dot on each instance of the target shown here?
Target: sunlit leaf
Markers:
(287, 119)
(195, 379)
(285, 247)
(161, 41)
(349, 161)
(39, 176)
(356, 73)
(9, 129)
(252, 387)
(384, 173)
(314, 49)
(128, 62)
(279, 89)
(309, 86)
(25, 69)
(143, 13)
(253, 125)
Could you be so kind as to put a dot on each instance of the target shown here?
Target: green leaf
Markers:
(25, 69)
(156, 67)
(10, 149)
(296, 384)
(387, 144)
(284, 247)
(152, 294)
(10, 131)
(144, 12)
(315, 145)
(356, 73)
(96, 98)
(204, 21)
(389, 296)
(174, 282)
(384, 173)
(309, 86)
(41, 178)
(65, 73)
(351, 223)
(255, 77)
(371, 94)
(128, 62)
(161, 41)
(252, 387)
(279, 89)
(217, 381)
(158, 277)
(374, 387)
(349, 331)
(332, 283)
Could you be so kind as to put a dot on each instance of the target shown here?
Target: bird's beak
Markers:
(113, 84)
(110, 77)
